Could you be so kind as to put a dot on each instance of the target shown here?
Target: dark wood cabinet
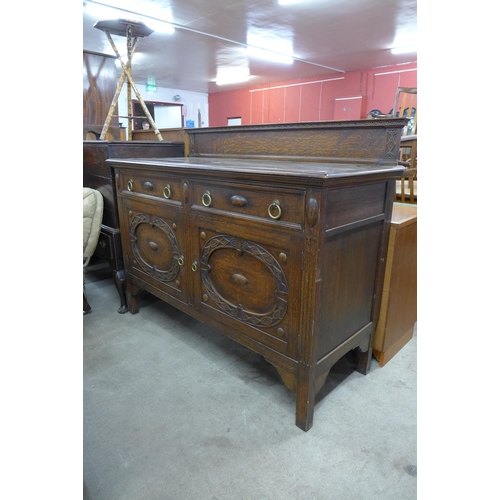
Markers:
(97, 174)
(282, 255)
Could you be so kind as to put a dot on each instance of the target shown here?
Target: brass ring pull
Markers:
(274, 210)
(167, 192)
(130, 185)
(206, 199)
(180, 261)
(194, 267)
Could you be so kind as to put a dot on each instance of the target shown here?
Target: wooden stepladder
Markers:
(132, 30)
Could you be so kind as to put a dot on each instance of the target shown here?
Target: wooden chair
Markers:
(405, 104)
(406, 187)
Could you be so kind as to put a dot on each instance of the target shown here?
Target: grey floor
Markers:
(174, 410)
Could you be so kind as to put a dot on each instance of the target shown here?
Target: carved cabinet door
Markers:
(245, 275)
(155, 250)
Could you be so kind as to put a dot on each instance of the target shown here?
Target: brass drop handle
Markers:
(194, 266)
(167, 192)
(206, 199)
(130, 185)
(274, 210)
(180, 261)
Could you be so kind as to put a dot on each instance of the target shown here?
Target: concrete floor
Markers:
(173, 410)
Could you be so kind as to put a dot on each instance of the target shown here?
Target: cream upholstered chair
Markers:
(92, 217)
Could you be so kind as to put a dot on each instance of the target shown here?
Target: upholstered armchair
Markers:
(92, 218)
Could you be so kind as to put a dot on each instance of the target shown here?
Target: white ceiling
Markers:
(328, 37)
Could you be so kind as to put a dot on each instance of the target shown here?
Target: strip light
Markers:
(404, 50)
(232, 75)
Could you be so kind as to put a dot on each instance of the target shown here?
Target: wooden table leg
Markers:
(119, 279)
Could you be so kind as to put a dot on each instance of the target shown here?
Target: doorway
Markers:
(164, 114)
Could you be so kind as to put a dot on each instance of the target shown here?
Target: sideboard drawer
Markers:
(272, 204)
(165, 186)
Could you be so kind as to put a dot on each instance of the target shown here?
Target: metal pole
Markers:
(129, 89)
(118, 88)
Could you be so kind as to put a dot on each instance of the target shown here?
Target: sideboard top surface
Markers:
(284, 170)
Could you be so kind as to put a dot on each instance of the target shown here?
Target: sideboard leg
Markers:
(131, 296)
(364, 357)
(304, 411)
(119, 278)
(363, 361)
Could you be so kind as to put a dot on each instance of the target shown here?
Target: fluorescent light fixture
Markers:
(269, 48)
(404, 50)
(404, 43)
(159, 26)
(159, 19)
(232, 75)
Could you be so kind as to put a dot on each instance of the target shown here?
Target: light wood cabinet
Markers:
(398, 311)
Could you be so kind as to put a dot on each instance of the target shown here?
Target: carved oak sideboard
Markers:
(284, 256)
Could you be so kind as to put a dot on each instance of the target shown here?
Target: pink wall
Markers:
(347, 96)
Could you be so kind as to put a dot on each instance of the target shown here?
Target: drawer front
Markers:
(105, 245)
(165, 187)
(283, 206)
(154, 246)
(348, 205)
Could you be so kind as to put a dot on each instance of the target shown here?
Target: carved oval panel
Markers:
(155, 247)
(244, 280)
